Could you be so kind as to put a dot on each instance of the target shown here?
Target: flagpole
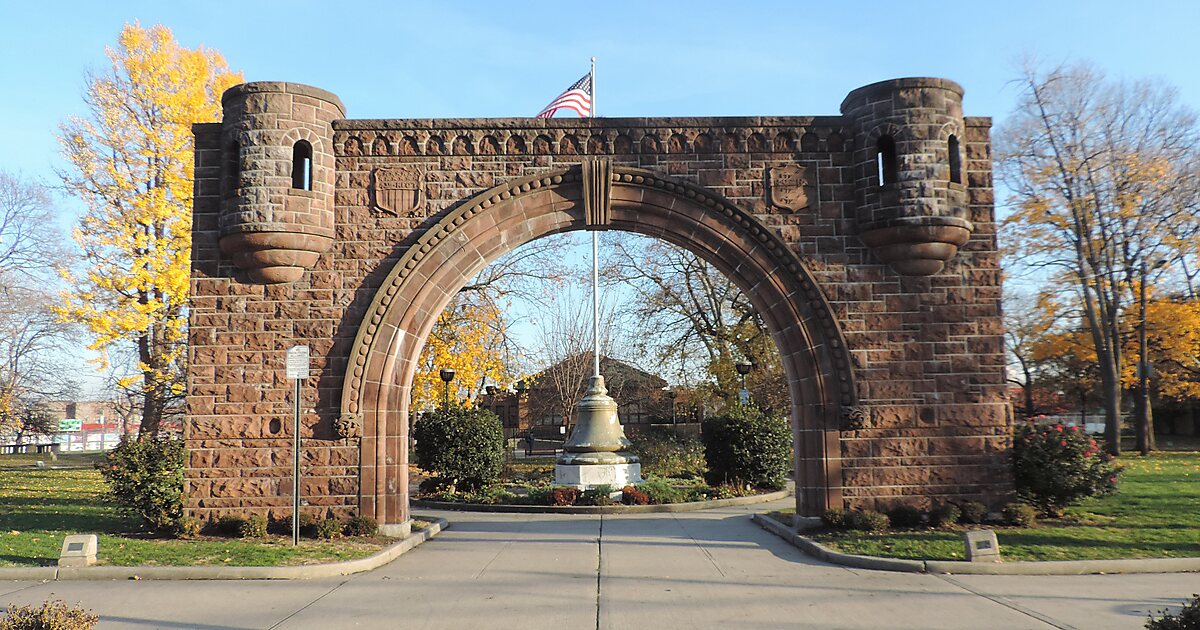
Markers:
(595, 262)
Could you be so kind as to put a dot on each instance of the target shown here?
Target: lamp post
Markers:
(743, 368)
(521, 388)
(672, 394)
(447, 375)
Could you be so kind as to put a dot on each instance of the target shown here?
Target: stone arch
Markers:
(380, 146)
(375, 392)
(515, 145)
(489, 146)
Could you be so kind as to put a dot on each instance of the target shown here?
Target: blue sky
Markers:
(450, 59)
(459, 59)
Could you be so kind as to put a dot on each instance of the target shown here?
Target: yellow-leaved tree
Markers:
(1173, 340)
(469, 338)
(132, 163)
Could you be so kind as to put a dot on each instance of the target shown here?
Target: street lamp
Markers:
(672, 394)
(447, 375)
(743, 368)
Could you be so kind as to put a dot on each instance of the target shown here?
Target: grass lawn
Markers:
(39, 507)
(1156, 514)
(62, 460)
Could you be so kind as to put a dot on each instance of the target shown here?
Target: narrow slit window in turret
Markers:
(302, 165)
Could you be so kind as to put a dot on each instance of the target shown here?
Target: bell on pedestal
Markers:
(595, 453)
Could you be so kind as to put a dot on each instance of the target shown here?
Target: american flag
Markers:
(577, 97)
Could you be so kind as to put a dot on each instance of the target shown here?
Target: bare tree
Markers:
(30, 245)
(1098, 170)
(32, 344)
(32, 340)
(563, 348)
(694, 321)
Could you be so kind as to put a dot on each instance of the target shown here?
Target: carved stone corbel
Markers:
(855, 418)
(348, 425)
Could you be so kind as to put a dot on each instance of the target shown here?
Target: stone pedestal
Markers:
(591, 475)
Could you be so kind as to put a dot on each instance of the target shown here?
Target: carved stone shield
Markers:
(399, 190)
(789, 186)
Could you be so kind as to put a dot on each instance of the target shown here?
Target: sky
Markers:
(484, 59)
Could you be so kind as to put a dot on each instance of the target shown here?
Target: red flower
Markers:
(1058, 427)
(1064, 442)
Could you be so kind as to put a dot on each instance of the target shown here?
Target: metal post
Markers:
(595, 303)
(296, 469)
(296, 369)
(595, 263)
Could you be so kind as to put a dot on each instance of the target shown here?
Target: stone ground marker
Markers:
(982, 546)
(78, 550)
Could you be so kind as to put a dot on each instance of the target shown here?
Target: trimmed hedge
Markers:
(465, 447)
(747, 446)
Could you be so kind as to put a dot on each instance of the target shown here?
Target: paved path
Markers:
(711, 569)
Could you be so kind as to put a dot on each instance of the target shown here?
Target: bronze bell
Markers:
(598, 437)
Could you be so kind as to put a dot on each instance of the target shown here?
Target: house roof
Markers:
(612, 369)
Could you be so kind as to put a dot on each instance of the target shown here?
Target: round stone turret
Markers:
(278, 182)
(910, 188)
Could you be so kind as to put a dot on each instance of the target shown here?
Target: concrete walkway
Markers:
(712, 569)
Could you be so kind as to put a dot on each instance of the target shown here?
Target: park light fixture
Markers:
(743, 368)
(447, 375)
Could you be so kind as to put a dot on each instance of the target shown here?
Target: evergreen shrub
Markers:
(145, 478)
(747, 446)
(465, 447)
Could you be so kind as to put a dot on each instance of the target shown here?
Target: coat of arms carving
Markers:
(399, 190)
(789, 187)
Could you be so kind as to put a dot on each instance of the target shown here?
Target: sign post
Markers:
(297, 370)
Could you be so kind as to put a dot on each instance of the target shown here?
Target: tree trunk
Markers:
(1111, 384)
(1139, 415)
(151, 396)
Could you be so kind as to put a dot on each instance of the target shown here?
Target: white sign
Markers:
(70, 424)
(297, 362)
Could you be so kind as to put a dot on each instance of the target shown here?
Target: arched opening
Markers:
(955, 159)
(457, 245)
(885, 160)
(302, 165)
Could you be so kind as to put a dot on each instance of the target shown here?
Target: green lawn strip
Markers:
(1156, 514)
(63, 460)
(39, 507)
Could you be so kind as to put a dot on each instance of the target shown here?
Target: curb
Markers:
(301, 572)
(1048, 567)
(693, 506)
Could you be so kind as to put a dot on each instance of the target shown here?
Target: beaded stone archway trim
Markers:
(833, 344)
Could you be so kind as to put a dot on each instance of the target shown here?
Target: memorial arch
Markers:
(882, 296)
